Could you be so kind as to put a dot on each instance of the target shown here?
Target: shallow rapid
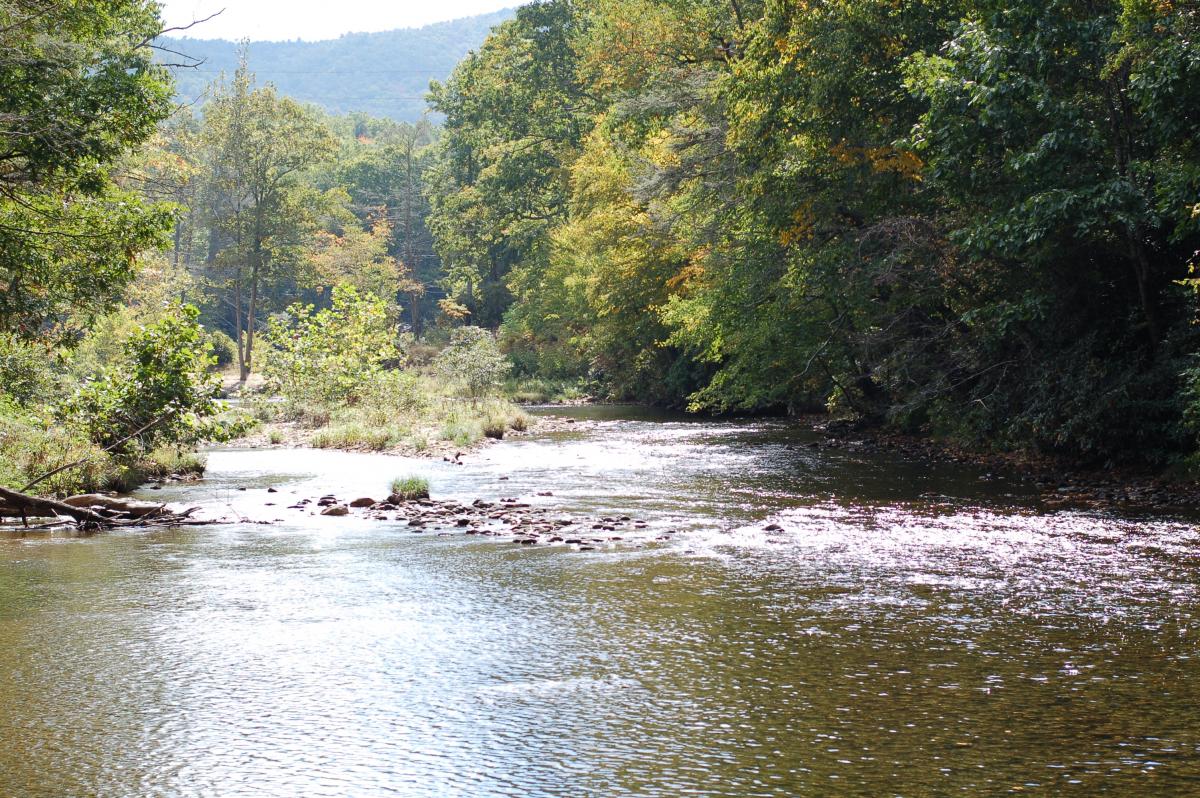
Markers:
(821, 623)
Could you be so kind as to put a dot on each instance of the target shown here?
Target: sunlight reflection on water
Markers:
(903, 629)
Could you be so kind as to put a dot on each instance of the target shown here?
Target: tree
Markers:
(260, 214)
(328, 357)
(473, 361)
(385, 177)
(79, 90)
(515, 117)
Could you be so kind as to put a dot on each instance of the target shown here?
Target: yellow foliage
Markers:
(453, 310)
(885, 159)
(802, 230)
(690, 273)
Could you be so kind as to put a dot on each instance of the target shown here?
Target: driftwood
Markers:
(130, 507)
(90, 511)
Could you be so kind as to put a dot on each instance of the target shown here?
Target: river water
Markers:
(908, 630)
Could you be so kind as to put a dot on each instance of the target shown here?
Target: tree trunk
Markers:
(1141, 272)
(248, 363)
(243, 370)
(24, 505)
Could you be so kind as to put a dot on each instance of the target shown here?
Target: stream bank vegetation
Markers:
(975, 220)
(345, 377)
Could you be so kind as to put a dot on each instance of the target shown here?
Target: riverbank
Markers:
(1060, 483)
(443, 440)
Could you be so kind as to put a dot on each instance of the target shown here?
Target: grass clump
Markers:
(462, 431)
(410, 487)
(354, 435)
(542, 391)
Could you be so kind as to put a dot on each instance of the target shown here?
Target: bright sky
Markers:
(312, 20)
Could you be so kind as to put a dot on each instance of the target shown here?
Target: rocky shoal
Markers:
(519, 521)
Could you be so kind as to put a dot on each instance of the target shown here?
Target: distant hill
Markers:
(384, 74)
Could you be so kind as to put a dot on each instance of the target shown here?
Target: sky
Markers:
(313, 20)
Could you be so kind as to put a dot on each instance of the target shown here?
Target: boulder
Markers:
(336, 510)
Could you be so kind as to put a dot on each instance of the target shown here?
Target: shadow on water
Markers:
(825, 623)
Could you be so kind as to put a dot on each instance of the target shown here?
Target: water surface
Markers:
(908, 630)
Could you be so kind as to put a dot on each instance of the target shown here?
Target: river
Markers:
(907, 630)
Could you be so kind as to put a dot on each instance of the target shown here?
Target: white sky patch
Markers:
(313, 20)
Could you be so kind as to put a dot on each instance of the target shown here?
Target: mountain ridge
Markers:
(385, 73)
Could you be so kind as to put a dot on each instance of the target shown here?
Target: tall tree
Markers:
(515, 117)
(257, 146)
(385, 178)
(79, 90)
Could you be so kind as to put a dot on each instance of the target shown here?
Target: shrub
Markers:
(329, 357)
(24, 375)
(473, 361)
(224, 349)
(31, 447)
(158, 392)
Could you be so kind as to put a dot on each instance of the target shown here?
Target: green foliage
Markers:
(31, 446)
(24, 376)
(410, 487)
(161, 391)
(78, 92)
(260, 216)
(333, 356)
(515, 112)
(474, 362)
(962, 217)
(224, 350)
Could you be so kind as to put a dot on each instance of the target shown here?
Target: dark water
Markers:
(910, 631)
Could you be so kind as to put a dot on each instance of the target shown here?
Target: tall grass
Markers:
(403, 410)
(410, 487)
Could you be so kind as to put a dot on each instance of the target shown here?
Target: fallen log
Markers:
(130, 507)
(90, 511)
(40, 507)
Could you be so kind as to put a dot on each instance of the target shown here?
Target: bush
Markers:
(31, 447)
(224, 348)
(24, 375)
(329, 357)
(473, 361)
(158, 392)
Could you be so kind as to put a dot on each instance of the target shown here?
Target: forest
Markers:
(973, 220)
